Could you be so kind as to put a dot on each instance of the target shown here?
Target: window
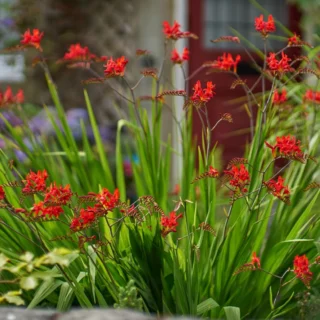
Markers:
(11, 65)
(220, 15)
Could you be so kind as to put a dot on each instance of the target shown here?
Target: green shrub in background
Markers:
(243, 240)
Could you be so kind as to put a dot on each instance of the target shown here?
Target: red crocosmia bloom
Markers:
(2, 193)
(32, 39)
(312, 96)
(279, 66)
(239, 177)
(87, 215)
(115, 67)
(280, 98)
(301, 269)
(294, 40)
(174, 32)
(226, 62)
(287, 147)
(58, 195)
(75, 224)
(179, 59)
(76, 52)
(35, 182)
(265, 27)
(279, 190)
(170, 223)
(214, 173)
(7, 97)
(39, 209)
(201, 96)
(107, 200)
(255, 261)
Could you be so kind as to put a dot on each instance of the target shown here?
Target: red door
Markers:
(210, 19)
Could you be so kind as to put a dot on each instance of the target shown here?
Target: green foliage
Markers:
(128, 297)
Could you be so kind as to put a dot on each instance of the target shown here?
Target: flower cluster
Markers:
(278, 189)
(265, 27)
(280, 98)
(179, 59)
(2, 193)
(41, 210)
(226, 62)
(281, 66)
(32, 39)
(35, 182)
(107, 200)
(287, 147)
(239, 178)
(254, 264)
(58, 195)
(301, 269)
(86, 218)
(116, 67)
(170, 223)
(201, 96)
(174, 33)
(8, 98)
(295, 40)
(312, 96)
(76, 53)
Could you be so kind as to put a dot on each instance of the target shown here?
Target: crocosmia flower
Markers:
(255, 261)
(294, 40)
(32, 38)
(116, 67)
(239, 178)
(301, 269)
(280, 98)
(201, 96)
(287, 147)
(7, 97)
(35, 182)
(108, 200)
(174, 32)
(76, 52)
(226, 62)
(265, 27)
(170, 223)
(58, 195)
(278, 189)
(312, 96)
(179, 59)
(2, 193)
(279, 66)
(41, 210)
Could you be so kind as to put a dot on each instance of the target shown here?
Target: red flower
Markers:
(312, 96)
(32, 39)
(35, 182)
(7, 98)
(170, 223)
(39, 209)
(107, 200)
(174, 32)
(58, 195)
(226, 62)
(280, 98)
(278, 189)
(279, 66)
(201, 96)
(2, 193)
(255, 261)
(288, 147)
(75, 224)
(301, 269)
(176, 58)
(213, 172)
(115, 67)
(87, 215)
(294, 40)
(76, 52)
(265, 27)
(239, 177)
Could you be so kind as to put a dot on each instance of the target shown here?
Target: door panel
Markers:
(210, 19)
